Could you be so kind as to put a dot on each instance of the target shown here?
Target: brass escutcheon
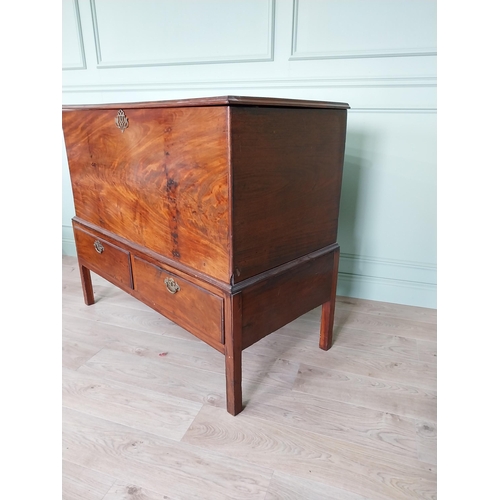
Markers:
(172, 286)
(121, 120)
(98, 246)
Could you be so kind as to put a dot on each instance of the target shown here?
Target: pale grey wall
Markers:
(377, 55)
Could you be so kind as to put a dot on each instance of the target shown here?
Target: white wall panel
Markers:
(73, 56)
(305, 50)
(363, 28)
(162, 32)
(387, 226)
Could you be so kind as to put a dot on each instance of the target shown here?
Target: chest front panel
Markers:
(162, 183)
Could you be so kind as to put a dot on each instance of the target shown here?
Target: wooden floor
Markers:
(144, 406)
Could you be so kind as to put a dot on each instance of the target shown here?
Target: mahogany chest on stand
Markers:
(219, 213)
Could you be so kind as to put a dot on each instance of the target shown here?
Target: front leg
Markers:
(328, 308)
(88, 291)
(233, 344)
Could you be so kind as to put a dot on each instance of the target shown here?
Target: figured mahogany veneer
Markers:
(220, 213)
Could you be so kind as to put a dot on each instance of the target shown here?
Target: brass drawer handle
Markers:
(98, 246)
(172, 286)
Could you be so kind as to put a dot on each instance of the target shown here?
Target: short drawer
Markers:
(104, 258)
(191, 307)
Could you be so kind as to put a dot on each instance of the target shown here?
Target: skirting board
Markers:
(409, 293)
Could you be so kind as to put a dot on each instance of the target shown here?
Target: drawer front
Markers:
(191, 307)
(104, 258)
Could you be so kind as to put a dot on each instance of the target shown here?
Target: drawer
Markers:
(104, 258)
(191, 307)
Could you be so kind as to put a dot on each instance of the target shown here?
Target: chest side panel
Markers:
(287, 172)
(162, 183)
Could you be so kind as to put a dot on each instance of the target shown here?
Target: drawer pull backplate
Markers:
(172, 286)
(98, 246)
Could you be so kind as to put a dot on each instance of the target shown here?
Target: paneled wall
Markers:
(377, 55)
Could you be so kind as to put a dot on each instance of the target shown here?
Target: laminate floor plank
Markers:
(72, 295)
(378, 430)
(80, 483)
(122, 490)
(388, 309)
(189, 383)
(390, 345)
(386, 324)
(76, 353)
(402, 370)
(129, 405)
(285, 487)
(307, 455)
(427, 441)
(71, 274)
(117, 315)
(107, 334)
(427, 352)
(374, 323)
(159, 464)
(377, 394)
(175, 351)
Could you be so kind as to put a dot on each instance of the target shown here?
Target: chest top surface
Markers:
(216, 101)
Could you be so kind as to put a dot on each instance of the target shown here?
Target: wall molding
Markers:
(393, 269)
(243, 58)
(361, 82)
(413, 95)
(388, 280)
(83, 63)
(296, 55)
(387, 290)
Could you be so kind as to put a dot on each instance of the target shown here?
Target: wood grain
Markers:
(387, 325)
(427, 441)
(390, 367)
(184, 382)
(75, 353)
(122, 490)
(310, 456)
(112, 263)
(111, 294)
(184, 353)
(274, 302)
(286, 487)
(427, 352)
(233, 353)
(286, 169)
(377, 430)
(115, 315)
(218, 101)
(328, 308)
(377, 394)
(188, 187)
(158, 463)
(144, 185)
(387, 309)
(377, 323)
(191, 307)
(128, 405)
(379, 343)
(82, 483)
